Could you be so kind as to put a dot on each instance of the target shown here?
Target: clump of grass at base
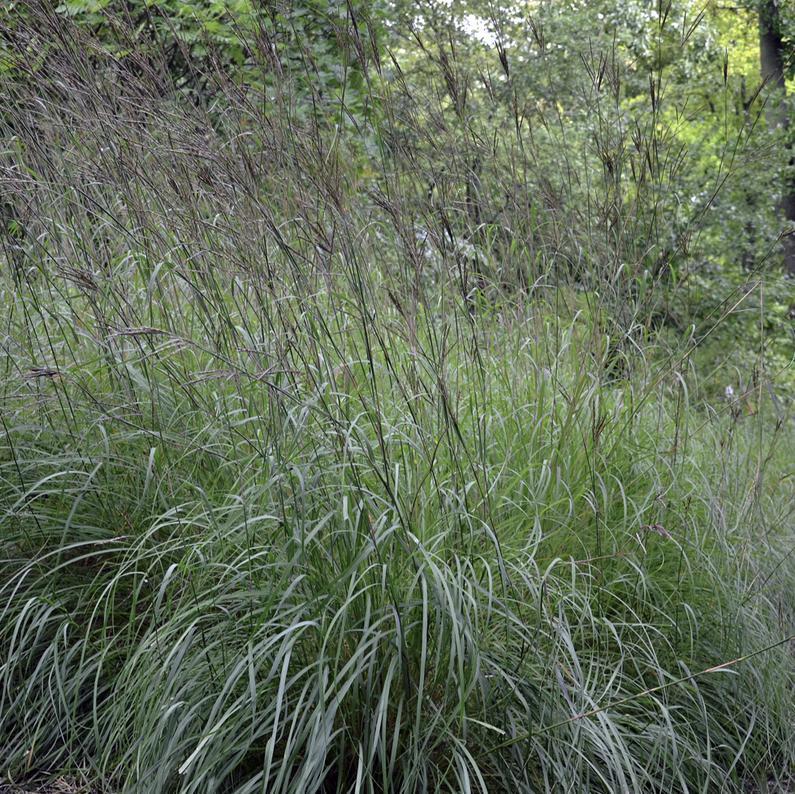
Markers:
(270, 524)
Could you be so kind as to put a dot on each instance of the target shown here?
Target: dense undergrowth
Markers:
(296, 499)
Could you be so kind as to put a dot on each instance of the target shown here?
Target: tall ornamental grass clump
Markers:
(292, 502)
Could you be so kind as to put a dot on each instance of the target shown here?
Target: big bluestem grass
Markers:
(299, 495)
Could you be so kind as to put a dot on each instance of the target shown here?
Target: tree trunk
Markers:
(771, 55)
